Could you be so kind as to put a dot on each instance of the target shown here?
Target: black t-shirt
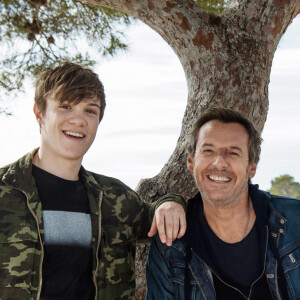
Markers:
(237, 266)
(67, 264)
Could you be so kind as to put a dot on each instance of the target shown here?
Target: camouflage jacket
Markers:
(119, 220)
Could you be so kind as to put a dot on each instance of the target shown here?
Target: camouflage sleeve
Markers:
(169, 197)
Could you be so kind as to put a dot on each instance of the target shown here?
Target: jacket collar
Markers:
(264, 210)
(19, 173)
(194, 238)
(94, 189)
(18, 176)
(262, 202)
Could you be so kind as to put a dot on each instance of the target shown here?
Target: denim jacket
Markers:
(178, 272)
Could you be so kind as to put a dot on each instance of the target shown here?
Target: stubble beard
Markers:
(226, 201)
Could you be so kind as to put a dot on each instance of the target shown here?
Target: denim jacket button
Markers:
(270, 276)
(282, 221)
(281, 230)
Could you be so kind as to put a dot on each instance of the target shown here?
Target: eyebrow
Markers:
(230, 147)
(94, 104)
(236, 148)
(207, 145)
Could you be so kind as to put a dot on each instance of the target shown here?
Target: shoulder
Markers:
(20, 167)
(288, 207)
(5, 191)
(111, 186)
(109, 182)
(15, 181)
(279, 205)
(284, 203)
(120, 204)
(3, 171)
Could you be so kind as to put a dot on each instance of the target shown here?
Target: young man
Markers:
(241, 242)
(66, 233)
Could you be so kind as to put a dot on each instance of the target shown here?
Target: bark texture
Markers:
(227, 61)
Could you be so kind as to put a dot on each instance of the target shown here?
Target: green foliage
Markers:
(213, 6)
(285, 185)
(35, 34)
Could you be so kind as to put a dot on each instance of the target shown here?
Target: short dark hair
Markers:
(226, 115)
(71, 83)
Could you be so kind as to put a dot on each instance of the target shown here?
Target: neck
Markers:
(66, 169)
(230, 224)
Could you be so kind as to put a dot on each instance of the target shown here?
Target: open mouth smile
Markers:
(74, 134)
(219, 178)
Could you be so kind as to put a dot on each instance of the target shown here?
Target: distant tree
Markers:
(285, 185)
(35, 34)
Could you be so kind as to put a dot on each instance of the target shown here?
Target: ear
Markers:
(252, 170)
(37, 113)
(190, 163)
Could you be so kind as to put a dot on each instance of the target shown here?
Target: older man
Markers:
(241, 242)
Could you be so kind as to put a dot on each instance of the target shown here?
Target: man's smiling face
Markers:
(221, 165)
(68, 129)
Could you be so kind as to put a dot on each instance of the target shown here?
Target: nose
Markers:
(78, 119)
(220, 161)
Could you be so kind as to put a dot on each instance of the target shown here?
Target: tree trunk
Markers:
(227, 62)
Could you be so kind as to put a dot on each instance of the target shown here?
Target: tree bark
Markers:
(227, 61)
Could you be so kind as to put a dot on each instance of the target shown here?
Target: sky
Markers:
(146, 97)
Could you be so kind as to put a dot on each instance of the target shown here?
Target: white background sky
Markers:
(146, 98)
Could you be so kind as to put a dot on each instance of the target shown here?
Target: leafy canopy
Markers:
(36, 34)
(285, 185)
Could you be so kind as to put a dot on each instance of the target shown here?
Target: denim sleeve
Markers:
(159, 284)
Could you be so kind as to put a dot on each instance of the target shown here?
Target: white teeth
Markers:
(74, 134)
(217, 178)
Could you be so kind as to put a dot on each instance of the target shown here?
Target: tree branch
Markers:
(185, 18)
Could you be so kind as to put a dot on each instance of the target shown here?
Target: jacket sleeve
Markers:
(159, 284)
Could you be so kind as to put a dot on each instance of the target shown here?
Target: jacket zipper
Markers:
(264, 270)
(98, 244)
(42, 249)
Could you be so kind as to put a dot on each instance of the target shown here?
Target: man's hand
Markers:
(169, 221)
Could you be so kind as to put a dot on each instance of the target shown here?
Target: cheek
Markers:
(199, 167)
(94, 129)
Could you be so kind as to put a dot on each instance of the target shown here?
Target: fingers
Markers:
(153, 229)
(170, 229)
(169, 221)
(182, 226)
(159, 221)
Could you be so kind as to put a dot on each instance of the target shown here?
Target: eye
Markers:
(207, 151)
(234, 154)
(92, 111)
(65, 106)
